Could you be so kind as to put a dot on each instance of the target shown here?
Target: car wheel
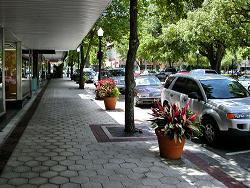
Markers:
(249, 88)
(210, 132)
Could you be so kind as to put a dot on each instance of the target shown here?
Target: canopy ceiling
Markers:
(49, 24)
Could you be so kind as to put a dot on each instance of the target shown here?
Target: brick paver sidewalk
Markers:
(59, 149)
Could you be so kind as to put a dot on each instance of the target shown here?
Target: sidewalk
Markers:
(63, 146)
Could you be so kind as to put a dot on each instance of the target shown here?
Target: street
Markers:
(235, 150)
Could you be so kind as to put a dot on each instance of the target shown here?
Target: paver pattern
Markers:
(58, 149)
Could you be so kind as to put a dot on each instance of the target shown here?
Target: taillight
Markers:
(230, 116)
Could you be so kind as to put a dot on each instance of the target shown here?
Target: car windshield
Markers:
(223, 89)
(119, 72)
(246, 77)
(210, 72)
(146, 81)
(88, 73)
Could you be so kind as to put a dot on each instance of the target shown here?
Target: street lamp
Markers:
(99, 56)
(197, 53)
(246, 62)
(232, 64)
(78, 50)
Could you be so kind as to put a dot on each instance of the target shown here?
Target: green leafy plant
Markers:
(84, 77)
(77, 78)
(176, 122)
(107, 88)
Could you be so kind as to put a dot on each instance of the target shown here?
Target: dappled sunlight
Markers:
(84, 96)
(154, 148)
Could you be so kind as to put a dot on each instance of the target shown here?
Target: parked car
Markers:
(147, 90)
(245, 81)
(222, 102)
(203, 71)
(116, 74)
(138, 72)
(162, 75)
(90, 76)
(104, 74)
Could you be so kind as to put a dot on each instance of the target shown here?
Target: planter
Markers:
(110, 102)
(169, 148)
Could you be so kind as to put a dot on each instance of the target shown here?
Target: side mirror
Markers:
(194, 95)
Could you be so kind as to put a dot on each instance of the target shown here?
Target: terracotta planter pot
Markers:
(110, 102)
(169, 148)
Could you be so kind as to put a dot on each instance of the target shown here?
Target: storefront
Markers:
(2, 91)
(15, 72)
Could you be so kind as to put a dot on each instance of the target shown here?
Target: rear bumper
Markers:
(147, 100)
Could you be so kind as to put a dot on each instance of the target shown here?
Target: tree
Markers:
(129, 79)
(86, 44)
(211, 31)
(71, 60)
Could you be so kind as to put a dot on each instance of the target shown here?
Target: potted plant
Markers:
(107, 90)
(173, 125)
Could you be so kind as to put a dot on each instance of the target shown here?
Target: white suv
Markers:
(222, 102)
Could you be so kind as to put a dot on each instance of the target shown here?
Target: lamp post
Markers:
(99, 56)
(246, 62)
(232, 64)
(197, 53)
(78, 61)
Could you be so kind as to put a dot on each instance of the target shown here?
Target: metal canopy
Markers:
(49, 24)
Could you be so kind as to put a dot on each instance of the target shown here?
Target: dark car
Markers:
(147, 90)
(162, 75)
(116, 74)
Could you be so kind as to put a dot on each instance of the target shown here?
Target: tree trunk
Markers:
(129, 73)
(84, 59)
(81, 84)
(214, 53)
(71, 68)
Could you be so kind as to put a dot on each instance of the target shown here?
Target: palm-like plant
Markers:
(176, 122)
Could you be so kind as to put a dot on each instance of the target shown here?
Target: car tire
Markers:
(249, 88)
(210, 131)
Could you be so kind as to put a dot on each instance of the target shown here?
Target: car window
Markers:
(170, 70)
(119, 72)
(169, 81)
(179, 85)
(244, 78)
(144, 81)
(223, 89)
(191, 87)
(88, 73)
(211, 72)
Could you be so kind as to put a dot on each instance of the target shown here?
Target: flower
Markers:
(176, 122)
(107, 88)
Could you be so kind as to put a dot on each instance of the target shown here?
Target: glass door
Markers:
(10, 71)
(1, 71)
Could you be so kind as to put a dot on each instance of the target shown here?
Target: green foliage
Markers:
(72, 58)
(77, 78)
(115, 92)
(171, 31)
(115, 20)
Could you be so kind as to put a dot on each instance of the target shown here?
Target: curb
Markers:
(5, 133)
